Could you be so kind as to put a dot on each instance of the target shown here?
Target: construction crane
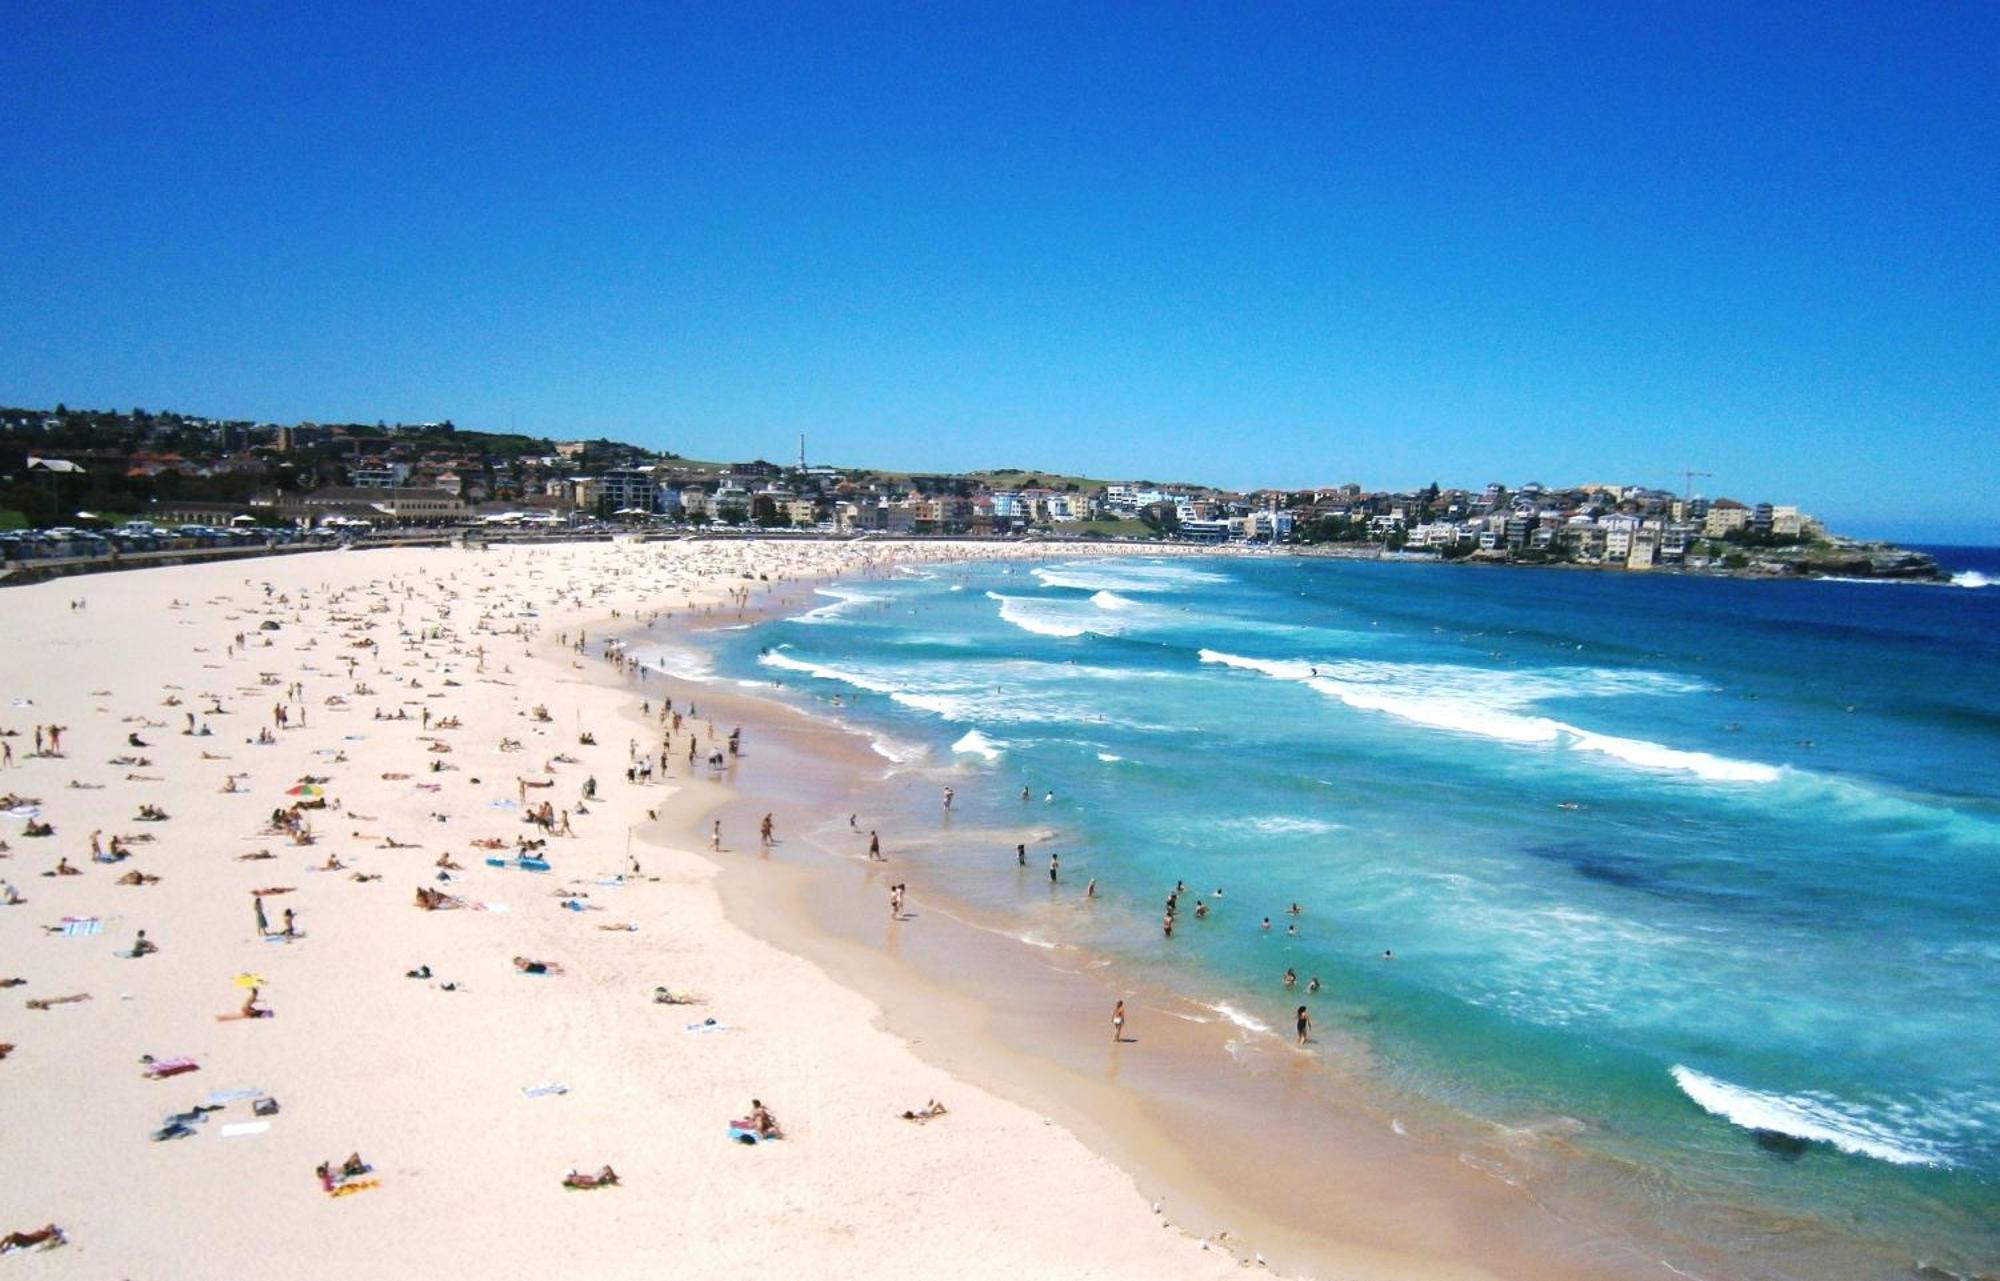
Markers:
(1687, 494)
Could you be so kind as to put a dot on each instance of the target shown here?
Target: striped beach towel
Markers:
(80, 926)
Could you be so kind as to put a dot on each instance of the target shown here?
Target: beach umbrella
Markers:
(305, 789)
(250, 980)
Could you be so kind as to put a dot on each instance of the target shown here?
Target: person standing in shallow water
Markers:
(1055, 865)
(1118, 1022)
(1305, 1025)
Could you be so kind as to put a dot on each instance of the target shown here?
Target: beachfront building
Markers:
(628, 489)
(1206, 531)
(399, 506)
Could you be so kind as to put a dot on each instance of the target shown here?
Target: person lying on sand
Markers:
(930, 1111)
(604, 1178)
(50, 1002)
(431, 900)
(331, 1177)
(526, 966)
(47, 1237)
(136, 877)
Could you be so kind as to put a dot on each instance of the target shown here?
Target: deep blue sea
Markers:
(1685, 859)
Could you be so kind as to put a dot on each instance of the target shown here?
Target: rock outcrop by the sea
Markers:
(1847, 559)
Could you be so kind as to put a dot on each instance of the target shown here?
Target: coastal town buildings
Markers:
(65, 467)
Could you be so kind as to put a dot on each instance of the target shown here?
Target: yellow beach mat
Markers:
(358, 1185)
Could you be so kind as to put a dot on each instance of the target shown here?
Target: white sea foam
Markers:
(974, 743)
(1050, 617)
(843, 598)
(1112, 600)
(682, 664)
(1091, 576)
(1248, 1022)
(785, 662)
(1283, 825)
(1109, 757)
(1803, 1116)
(1470, 700)
(1970, 578)
(897, 751)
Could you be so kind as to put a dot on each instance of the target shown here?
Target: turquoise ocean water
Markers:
(1709, 868)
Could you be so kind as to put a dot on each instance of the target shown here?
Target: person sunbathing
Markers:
(431, 900)
(252, 1010)
(331, 1177)
(526, 966)
(760, 1122)
(445, 862)
(36, 827)
(136, 877)
(333, 864)
(48, 1236)
(605, 1178)
(930, 1111)
(63, 868)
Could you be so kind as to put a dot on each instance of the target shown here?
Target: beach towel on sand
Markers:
(745, 1134)
(707, 1025)
(161, 1069)
(545, 1089)
(80, 926)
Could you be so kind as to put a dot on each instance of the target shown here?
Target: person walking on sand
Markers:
(715, 836)
(291, 930)
(1305, 1025)
(1118, 1023)
(263, 924)
(1020, 854)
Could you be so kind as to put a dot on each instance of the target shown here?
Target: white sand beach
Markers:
(438, 1082)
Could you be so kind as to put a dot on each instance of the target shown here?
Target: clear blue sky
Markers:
(1245, 244)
